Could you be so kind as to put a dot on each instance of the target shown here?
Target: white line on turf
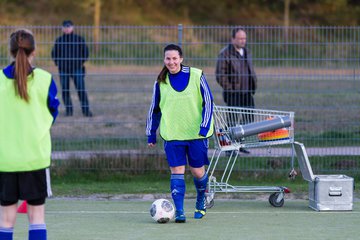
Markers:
(143, 212)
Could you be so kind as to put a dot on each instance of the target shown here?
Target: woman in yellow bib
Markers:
(182, 104)
(28, 108)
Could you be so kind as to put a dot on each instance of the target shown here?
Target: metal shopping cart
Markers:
(237, 128)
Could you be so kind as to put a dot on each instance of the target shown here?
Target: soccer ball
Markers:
(162, 210)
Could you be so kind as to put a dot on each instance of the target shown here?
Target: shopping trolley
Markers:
(237, 128)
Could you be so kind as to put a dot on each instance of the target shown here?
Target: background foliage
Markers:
(165, 12)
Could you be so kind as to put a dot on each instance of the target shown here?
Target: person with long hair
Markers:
(28, 108)
(182, 105)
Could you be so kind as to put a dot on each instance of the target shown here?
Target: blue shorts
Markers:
(193, 151)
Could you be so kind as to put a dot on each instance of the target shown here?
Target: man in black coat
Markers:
(69, 53)
(235, 74)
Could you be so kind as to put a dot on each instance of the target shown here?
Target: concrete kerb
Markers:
(218, 196)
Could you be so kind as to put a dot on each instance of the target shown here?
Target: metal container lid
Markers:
(304, 162)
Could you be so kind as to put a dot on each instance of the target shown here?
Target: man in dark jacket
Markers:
(69, 53)
(235, 74)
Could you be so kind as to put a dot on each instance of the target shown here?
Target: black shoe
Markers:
(243, 150)
(88, 114)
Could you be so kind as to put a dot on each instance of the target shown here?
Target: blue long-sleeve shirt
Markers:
(52, 101)
(179, 82)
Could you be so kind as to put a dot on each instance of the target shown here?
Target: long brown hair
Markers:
(22, 44)
(164, 71)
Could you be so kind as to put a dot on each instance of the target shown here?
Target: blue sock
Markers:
(200, 185)
(177, 185)
(37, 232)
(6, 233)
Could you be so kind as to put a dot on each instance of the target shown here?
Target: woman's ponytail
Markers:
(22, 44)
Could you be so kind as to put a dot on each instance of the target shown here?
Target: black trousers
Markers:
(240, 99)
(79, 82)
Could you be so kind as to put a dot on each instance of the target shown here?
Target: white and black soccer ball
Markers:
(162, 210)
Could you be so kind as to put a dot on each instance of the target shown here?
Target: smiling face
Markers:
(172, 61)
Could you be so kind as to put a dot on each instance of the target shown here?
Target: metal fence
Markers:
(313, 71)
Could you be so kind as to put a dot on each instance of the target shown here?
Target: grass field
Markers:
(229, 219)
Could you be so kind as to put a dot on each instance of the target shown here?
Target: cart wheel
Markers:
(210, 204)
(275, 201)
(209, 200)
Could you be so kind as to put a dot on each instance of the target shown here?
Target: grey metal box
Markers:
(331, 193)
(326, 192)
